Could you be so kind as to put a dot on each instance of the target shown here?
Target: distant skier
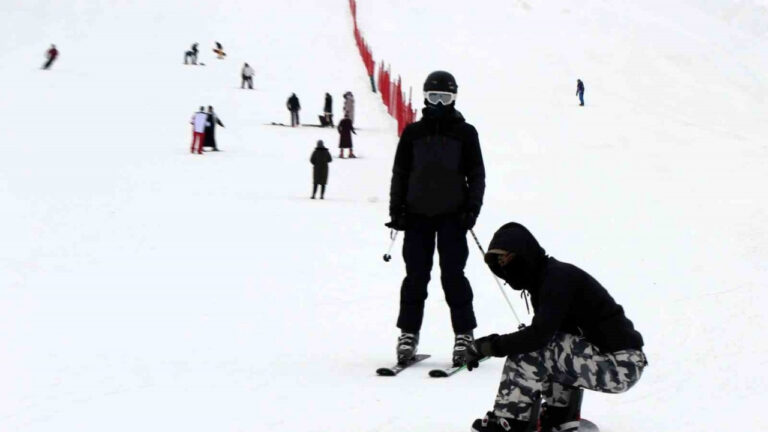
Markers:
(191, 55)
(579, 338)
(320, 159)
(210, 129)
(247, 76)
(580, 91)
(199, 122)
(438, 183)
(349, 106)
(327, 118)
(219, 50)
(294, 106)
(346, 130)
(51, 55)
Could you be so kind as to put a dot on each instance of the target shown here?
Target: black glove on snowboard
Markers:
(397, 222)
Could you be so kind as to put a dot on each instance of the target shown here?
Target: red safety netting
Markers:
(391, 91)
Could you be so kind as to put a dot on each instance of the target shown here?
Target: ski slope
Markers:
(144, 288)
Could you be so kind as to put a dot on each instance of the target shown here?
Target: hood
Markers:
(524, 271)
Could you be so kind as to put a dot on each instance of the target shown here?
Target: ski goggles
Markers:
(440, 97)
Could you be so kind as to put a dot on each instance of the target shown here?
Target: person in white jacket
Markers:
(247, 75)
(199, 122)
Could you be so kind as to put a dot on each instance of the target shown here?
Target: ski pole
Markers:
(393, 236)
(509, 303)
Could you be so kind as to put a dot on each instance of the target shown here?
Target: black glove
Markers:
(467, 219)
(481, 349)
(484, 345)
(397, 222)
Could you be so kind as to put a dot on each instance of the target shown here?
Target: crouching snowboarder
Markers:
(51, 56)
(190, 57)
(579, 339)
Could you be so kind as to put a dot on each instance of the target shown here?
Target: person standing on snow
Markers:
(349, 106)
(328, 111)
(51, 56)
(199, 122)
(210, 129)
(580, 91)
(320, 159)
(579, 339)
(294, 107)
(346, 130)
(247, 76)
(438, 183)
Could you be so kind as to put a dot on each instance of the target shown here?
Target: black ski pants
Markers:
(418, 251)
(295, 118)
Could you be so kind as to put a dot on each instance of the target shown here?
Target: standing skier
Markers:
(328, 111)
(349, 106)
(438, 182)
(247, 76)
(209, 139)
(580, 91)
(294, 107)
(51, 56)
(199, 122)
(320, 159)
(579, 338)
(345, 137)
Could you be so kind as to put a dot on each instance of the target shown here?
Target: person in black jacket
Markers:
(320, 159)
(327, 118)
(294, 107)
(579, 339)
(580, 91)
(210, 129)
(438, 182)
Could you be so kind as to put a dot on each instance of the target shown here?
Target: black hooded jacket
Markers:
(438, 166)
(565, 299)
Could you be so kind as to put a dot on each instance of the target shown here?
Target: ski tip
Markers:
(438, 373)
(385, 372)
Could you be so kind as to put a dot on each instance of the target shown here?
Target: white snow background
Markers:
(144, 288)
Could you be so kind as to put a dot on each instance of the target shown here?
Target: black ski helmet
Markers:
(441, 81)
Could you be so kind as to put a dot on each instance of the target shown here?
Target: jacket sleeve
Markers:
(313, 158)
(401, 169)
(555, 301)
(474, 172)
(218, 120)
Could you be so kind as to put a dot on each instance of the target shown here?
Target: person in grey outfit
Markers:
(349, 106)
(579, 338)
(320, 159)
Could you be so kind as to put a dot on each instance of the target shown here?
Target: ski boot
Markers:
(493, 423)
(563, 419)
(461, 344)
(407, 343)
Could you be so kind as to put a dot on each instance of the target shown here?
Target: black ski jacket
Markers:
(328, 107)
(565, 299)
(438, 166)
(293, 103)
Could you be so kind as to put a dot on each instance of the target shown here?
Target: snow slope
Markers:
(142, 287)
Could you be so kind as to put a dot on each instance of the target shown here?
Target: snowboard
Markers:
(399, 367)
(587, 426)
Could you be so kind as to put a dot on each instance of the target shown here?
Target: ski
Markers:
(445, 373)
(399, 367)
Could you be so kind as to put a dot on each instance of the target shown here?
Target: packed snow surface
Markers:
(145, 288)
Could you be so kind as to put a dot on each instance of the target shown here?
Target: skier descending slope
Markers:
(579, 338)
(438, 182)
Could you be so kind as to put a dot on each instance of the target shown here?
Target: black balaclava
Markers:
(525, 269)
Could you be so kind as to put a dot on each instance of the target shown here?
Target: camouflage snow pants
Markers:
(554, 371)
